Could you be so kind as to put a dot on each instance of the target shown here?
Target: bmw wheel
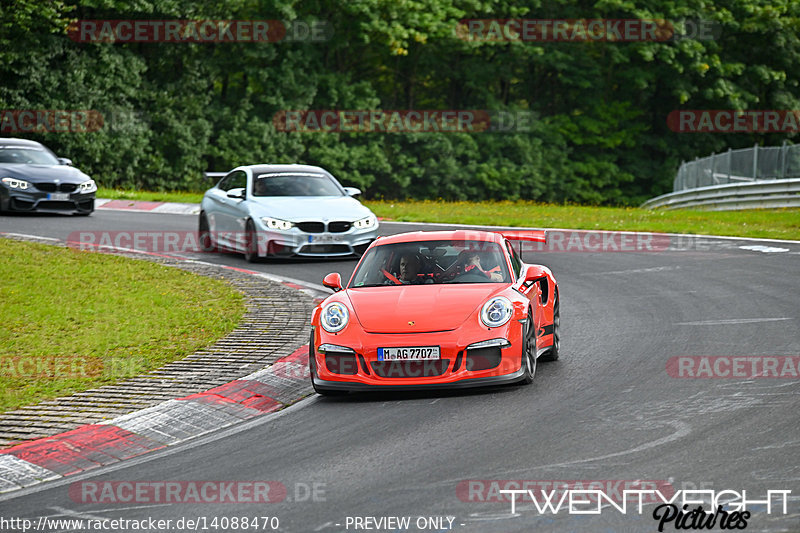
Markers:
(250, 242)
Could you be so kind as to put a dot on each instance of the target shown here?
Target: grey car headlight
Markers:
(334, 317)
(277, 224)
(496, 311)
(87, 186)
(366, 222)
(14, 183)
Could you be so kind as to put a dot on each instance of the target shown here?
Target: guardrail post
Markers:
(783, 159)
(755, 162)
(730, 163)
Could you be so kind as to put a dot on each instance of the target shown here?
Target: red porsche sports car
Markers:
(435, 309)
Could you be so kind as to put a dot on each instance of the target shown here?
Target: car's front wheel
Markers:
(250, 242)
(553, 353)
(204, 233)
(529, 350)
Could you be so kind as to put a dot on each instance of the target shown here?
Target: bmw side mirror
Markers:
(237, 193)
(352, 191)
(64, 161)
(333, 281)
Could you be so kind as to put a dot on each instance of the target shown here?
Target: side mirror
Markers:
(352, 191)
(534, 273)
(237, 193)
(64, 161)
(530, 275)
(333, 281)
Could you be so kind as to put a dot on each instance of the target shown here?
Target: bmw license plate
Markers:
(58, 196)
(409, 353)
(325, 237)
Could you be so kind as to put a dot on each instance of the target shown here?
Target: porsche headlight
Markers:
(276, 223)
(496, 311)
(14, 183)
(334, 317)
(367, 222)
(87, 186)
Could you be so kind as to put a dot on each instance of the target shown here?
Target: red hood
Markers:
(429, 307)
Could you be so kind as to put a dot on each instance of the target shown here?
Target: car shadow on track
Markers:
(389, 396)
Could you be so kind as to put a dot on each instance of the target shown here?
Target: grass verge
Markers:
(149, 196)
(72, 320)
(762, 223)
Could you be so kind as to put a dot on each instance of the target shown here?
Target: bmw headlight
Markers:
(277, 224)
(334, 317)
(496, 311)
(87, 186)
(14, 183)
(367, 222)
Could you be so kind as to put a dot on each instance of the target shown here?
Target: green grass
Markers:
(72, 320)
(148, 196)
(764, 223)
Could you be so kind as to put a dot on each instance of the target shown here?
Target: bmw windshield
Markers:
(432, 262)
(26, 155)
(295, 184)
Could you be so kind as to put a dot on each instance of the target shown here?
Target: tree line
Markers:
(555, 117)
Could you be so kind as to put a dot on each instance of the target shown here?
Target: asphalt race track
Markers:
(607, 411)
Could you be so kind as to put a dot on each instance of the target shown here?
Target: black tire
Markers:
(529, 351)
(553, 353)
(204, 234)
(313, 372)
(251, 243)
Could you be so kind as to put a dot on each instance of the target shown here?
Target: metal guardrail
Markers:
(763, 194)
(214, 175)
(736, 166)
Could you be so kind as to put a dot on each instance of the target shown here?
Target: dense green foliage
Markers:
(173, 110)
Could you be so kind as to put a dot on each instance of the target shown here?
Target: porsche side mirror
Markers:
(64, 161)
(534, 273)
(352, 191)
(333, 281)
(237, 193)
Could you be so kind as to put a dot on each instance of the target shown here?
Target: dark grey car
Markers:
(33, 179)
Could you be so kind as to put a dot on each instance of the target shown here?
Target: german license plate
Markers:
(58, 196)
(325, 237)
(409, 353)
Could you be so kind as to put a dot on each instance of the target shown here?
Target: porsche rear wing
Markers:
(525, 235)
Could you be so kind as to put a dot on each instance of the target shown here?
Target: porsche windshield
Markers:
(432, 262)
(295, 184)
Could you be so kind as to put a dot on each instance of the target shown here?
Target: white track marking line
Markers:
(724, 322)
(764, 249)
